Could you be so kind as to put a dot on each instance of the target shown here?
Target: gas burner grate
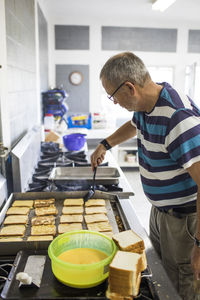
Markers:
(5, 268)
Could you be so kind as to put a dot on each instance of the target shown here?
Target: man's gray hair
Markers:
(125, 66)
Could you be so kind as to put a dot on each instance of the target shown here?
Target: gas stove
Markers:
(51, 157)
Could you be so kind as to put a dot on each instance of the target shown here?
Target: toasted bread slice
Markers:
(24, 203)
(14, 220)
(45, 211)
(95, 218)
(40, 238)
(11, 239)
(18, 211)
(44, 202)
(75, 210)
(43, 230)
(71, 219)
(73, 202)
(129, 241)
(95, 202)
(101, 226)
(44, 220)
(116, 296)
(13, 230)
(95, 210)
(69, 227)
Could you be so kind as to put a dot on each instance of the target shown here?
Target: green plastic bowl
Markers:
(81, 275)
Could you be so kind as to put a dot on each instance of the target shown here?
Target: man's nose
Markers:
(115, 101)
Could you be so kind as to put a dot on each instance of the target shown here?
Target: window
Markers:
(161, 74)
(192, 79)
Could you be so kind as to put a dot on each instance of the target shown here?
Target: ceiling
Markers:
(181, 10)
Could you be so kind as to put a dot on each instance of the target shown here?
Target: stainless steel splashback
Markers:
(25, 156)
(3, 191)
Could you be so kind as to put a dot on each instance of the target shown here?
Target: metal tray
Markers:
(112, 205)
(104, 175)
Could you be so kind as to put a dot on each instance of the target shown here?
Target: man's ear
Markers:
(131, 86)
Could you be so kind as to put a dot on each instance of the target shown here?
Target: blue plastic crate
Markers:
(80, 121)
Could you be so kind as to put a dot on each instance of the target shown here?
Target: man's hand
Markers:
(195, 262)
(97, 156)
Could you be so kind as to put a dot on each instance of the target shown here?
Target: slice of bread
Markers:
(43, 230)
(96, 218)
(11, 239)
(95, 202)
(44, 202)
(100, 226)
(18, 211)
(115, 296)
(44, 220)
(45, 211)
(72, 210)
(125, 273)
(62, 228)
(95, 210)
(15, 220)
(40, 238)
(13, 230)
(24, 203)
(73, 202)
(71, 219)
(129, 241)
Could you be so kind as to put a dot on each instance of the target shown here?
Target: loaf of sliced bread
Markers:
(125, 273)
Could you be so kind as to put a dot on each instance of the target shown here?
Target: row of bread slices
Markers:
(43, 223)
(17, 217)
(126, 266)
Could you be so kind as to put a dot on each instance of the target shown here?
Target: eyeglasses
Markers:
(111, 96)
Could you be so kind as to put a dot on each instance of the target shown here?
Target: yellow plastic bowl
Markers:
(81, 275)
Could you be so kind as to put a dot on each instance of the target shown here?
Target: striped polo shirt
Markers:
(168, 143)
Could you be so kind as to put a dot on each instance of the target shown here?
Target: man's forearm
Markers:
(124, 133)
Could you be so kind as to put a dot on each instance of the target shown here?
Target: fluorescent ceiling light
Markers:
(162, 4)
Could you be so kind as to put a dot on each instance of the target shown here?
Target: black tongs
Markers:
(91, 191)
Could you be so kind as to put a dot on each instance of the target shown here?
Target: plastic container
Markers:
(84, 275)
(74, 141)
(79, 121)
(48, 122)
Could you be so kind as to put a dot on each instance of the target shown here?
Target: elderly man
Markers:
(167, 125)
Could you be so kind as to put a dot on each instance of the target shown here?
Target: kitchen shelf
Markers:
(124, 152)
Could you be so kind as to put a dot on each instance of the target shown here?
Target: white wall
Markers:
(95, 57)
(4, 107)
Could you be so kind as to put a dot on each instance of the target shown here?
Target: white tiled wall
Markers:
(21, 69)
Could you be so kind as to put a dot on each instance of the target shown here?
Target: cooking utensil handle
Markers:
(94, 175)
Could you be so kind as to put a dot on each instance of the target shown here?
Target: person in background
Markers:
(167, 125)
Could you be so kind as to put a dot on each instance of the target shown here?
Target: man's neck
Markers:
(150, 94)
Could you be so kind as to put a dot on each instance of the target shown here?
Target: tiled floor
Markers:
(141, 204)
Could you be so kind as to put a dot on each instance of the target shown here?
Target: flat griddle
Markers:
(115, 215)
